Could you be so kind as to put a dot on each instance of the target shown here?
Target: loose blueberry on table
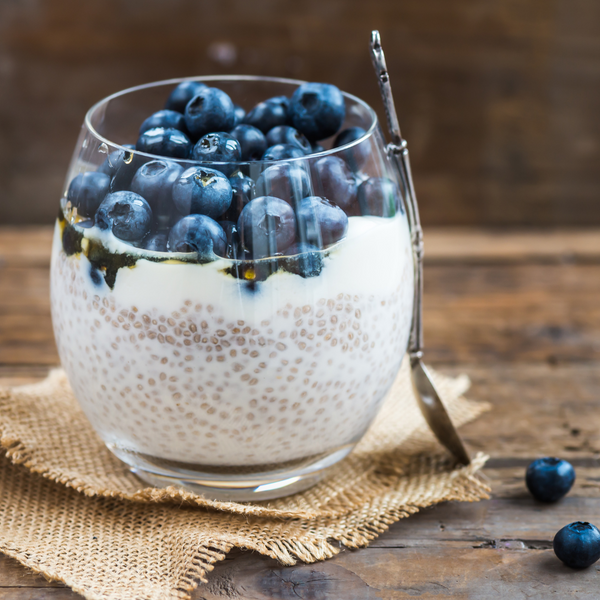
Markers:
(549, 479)
(218, 204)
(577, 545)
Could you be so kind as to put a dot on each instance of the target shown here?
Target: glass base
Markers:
(239, 484)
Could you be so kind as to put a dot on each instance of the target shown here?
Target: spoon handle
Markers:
(398, 153)
(426, 395)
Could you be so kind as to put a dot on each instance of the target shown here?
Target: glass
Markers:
(245, 375)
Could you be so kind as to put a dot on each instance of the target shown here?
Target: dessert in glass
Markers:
(232, 295)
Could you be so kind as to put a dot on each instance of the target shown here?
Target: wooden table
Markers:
(520, 313)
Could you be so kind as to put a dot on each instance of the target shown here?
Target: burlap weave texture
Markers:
(87, 521)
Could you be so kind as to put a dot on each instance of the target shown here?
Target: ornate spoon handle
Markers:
(427, 397)
(398, 153)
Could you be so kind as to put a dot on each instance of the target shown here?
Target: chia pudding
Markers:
(237, 316)
(186, 363)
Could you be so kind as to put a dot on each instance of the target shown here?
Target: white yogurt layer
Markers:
(184, 362)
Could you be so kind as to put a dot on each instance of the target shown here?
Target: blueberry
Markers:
(577, 545)
(127, 214)
(96, 276)
(164, 142)
(269, 114)
(315, 148)
(231, 234)
(379, 197)
(115, 159)
(267, 226)
(182, 94)
(157, 242)
(358, 154)
(334, 180)
(121, 166)
(288, 181)
(284, 134)
(203, 191)
(168, 119)
(209, 111)
(347, 136)
(83, 224)
(549, 479)
(239, 113)
(282, 151)
(86, 192)
(198, 233)
(252, 141)
(154, 182)
(321, 223)
(304, 260)
(317, 110)
(218, 147)
(243, 190)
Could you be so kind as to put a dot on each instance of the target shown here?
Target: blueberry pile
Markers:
(195, 193)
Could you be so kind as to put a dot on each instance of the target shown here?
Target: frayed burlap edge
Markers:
(101, 575)
(349, 485)
(385, 479)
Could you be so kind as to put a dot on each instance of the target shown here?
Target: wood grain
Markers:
(497, 99)
(518, 312)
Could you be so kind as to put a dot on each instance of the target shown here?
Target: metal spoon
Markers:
(427, 397)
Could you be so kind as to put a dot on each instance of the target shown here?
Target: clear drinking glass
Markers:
(244, 376)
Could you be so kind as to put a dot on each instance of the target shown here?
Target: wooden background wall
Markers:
(499, 99)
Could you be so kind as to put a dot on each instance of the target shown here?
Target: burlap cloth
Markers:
(73, 512)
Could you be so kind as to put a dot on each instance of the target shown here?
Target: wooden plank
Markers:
(498, 100)
(476, 245)
(449, 570)
(38, 594)
(26, 335)
(14, 575)
(538, 410)
(25, 246)
(521, 313)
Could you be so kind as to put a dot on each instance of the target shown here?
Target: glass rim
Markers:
(208, 78)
